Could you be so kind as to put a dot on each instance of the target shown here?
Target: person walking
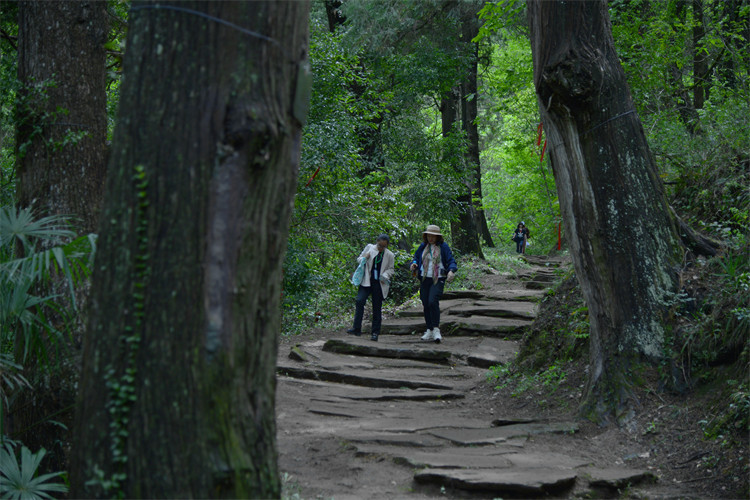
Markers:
(526, 234)
(518, 237)
(376, 281)
(436, 266)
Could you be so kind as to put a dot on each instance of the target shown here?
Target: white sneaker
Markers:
(436, 335)
(428, 335)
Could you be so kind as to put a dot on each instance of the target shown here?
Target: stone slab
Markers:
(470, 437)
(527, 482)
(370, 348)
(492, 352)
(484, 326)
(393, 439)
(370, 380)
(516, 294)
(496, 309)
(616, 478)
(426, 423)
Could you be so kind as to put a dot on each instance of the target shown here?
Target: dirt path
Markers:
(401, 418)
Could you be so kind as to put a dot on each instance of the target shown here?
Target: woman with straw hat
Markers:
(436, 265)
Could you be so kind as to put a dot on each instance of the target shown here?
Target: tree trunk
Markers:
(61, 120)
(623, 240)
(700, 66)
(470, 98)
(177, 391)
(464, 237)
(62, 109)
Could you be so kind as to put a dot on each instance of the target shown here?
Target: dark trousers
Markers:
(377, 306)
(430, 294)
(519, 246)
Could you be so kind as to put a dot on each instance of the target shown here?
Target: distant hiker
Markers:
(376, 280)
(518, 237)
(436, 265)
(526, 235)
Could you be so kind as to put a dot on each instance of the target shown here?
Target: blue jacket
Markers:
(446, 259)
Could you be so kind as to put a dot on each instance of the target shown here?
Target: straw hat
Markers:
(432, 229)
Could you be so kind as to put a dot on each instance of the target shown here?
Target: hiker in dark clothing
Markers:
(518, 237)
(526, 234)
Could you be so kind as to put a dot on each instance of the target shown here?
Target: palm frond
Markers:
(19, 481)
(21, 225)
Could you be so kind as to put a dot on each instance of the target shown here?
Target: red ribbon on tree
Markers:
(313, 177)
(539, 134)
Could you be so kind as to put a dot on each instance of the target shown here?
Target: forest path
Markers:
(403, 418)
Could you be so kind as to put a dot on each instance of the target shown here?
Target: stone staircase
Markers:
(395, 419)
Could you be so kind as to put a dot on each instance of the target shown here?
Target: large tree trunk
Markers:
(464, 236)
(469, 112)
(62, 108)
(177, 392)
(700, 57)
(61, 133)
(623, 240)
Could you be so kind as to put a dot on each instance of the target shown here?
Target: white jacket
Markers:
(387, 267)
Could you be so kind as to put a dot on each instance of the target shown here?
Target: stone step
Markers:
(485, 457)
(373, 378)
(335, 392)
(456, 325)
(535, 482)
(493, 352)
(360, 348)
(494, 435)
(477, 307)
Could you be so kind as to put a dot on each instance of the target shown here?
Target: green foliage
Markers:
(561, 331)
(548, 379)
(517, 186)
(8, 89)
(373, 157)
(23, 315)
(20, 481)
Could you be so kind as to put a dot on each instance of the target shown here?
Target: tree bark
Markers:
(700, 66)
(470, 29)
(623, 240)
(62, 109)
(177, 392)
(464, 236)
(61, 129)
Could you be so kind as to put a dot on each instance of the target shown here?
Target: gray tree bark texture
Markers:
(62, 109)
(61, 119)
(624, 242)
(178, 383)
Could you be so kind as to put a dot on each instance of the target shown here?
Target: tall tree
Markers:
(177, 390)
(62, 114)
(61, 129)
(624, 242)
(469, 113)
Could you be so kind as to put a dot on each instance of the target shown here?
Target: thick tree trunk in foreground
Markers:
(177, 393)
(622, 237)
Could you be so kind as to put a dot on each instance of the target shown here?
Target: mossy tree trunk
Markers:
(177, 390)
(623, 239)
